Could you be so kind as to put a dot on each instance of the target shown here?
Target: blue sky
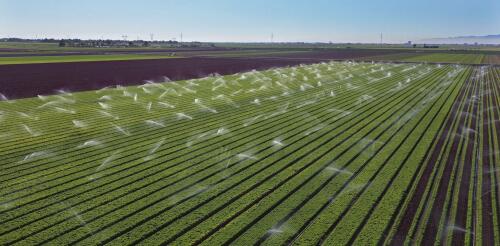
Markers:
(251, 21)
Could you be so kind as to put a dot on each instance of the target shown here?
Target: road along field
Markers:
(328, 153)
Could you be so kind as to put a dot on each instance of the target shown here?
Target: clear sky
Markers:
(250, 21)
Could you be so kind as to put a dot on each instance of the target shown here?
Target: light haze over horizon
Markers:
(250, 21)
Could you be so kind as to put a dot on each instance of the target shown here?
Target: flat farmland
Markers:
(325, 153)
(77, 58)
(491, 59)
(447, 58)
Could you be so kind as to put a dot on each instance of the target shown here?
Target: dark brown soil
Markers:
(29, 80)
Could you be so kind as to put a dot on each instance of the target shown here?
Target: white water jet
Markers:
(147, 91)
(165, 105)
(34, 155)
(148, 106)
(90, 143)
(27, 116)
(237, 92)
(245, 156)
(305, 86)
(154, 123)
(221, 131)
(64, 100)
(256, 101)
(121, 130)
(314, 129)
(251, 120)
(63, 110)
(128, 94)
(339, 170)
(458, 229)
(351, 86)
(274, 231)
(105, 98)
(108, 160)
(277, 143)
(43, 98)
(64, 92)
(364, 98)
(79, 124)
(104, 105)
(187, 90)
(30, 131)
(183, 116)
(51, 103)
(157, 146)
(107, 114)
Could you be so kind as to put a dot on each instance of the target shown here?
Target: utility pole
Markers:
(181, 37)
(272, 37)
(381, 39)
(151, 36)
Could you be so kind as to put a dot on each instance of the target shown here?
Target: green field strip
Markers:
(462, 189)
(451, 123)
(77, 58)
(430, 222)
(457, 226)
(384, 208)
(277, 229)
(259, 208)
(334, 205)
(494, 142)
(345, 185)
(444, 156)
(328, 153)
(447, 58)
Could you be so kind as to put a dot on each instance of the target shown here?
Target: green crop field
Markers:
(77, 58)
(448, 58)
(338, 153)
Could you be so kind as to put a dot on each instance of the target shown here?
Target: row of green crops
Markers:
(454, 199)
(448, 58)
(320, 153)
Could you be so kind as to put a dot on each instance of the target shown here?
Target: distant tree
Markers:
(62, 43)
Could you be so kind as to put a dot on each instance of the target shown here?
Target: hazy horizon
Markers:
(234, 21)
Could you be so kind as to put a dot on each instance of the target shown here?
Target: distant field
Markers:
(77, 58)
(245, 53)
(393, 57)
(448, 58)
(491, 59)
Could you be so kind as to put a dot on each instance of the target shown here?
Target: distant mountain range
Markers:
(487, 39)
